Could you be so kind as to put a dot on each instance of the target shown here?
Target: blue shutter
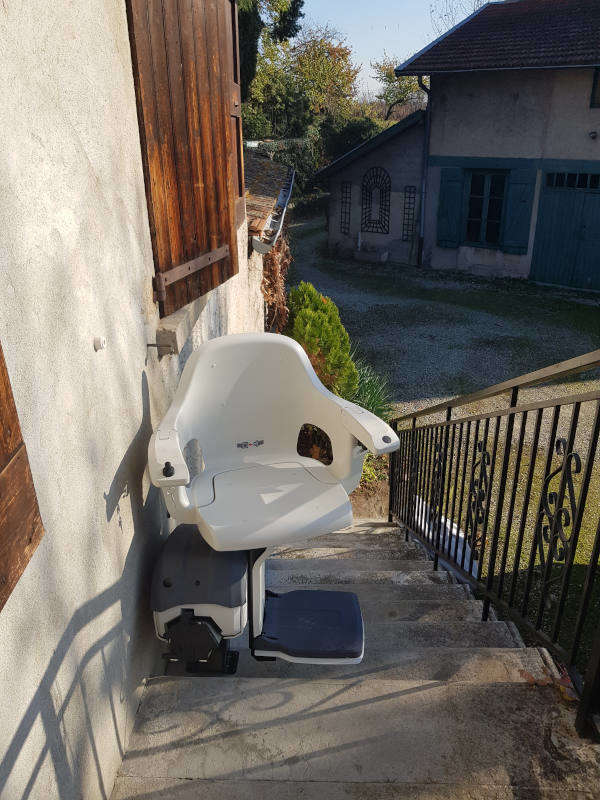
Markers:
(518, 208)
(449, 221)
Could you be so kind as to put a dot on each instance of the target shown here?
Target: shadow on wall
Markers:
(131, 635)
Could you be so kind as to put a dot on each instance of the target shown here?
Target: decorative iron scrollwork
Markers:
(478, 499)
(435, 504)
(554, 527)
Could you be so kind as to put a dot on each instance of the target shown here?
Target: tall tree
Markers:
(287, 24)
(323, 61)
(395, 91)
(276, 91)
(447, 13)
(250, 27)
(280, 18)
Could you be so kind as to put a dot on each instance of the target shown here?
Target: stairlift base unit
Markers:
(199, 596)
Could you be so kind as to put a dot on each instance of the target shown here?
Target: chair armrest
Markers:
(346, 424)
(165, 448)
(371, 431)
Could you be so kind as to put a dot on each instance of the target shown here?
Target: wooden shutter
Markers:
(449, 222)
(237, 147)
(186, 72)
(518, 208)
(20, 523)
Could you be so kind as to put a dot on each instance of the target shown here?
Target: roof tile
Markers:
(517, 34)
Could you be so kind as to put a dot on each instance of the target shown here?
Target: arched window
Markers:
(376, 188)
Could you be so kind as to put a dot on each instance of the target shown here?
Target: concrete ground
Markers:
(442, 706)
(440, 334)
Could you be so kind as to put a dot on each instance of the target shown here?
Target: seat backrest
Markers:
(244, 398)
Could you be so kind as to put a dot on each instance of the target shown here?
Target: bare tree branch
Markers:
(447, 13)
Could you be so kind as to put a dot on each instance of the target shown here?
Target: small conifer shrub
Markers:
(315, 323)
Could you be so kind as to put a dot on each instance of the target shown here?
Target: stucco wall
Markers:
(75, 263)
(538, 115)
(402, 158)
(515, 114)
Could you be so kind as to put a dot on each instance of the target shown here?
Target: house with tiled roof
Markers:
(510, 178)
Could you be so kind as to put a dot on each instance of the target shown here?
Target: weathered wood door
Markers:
(586, 272)
(20, 522)
(567, 239)
(186, 71)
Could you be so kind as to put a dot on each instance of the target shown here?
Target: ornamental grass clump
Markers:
(373, 391)
(315, 323)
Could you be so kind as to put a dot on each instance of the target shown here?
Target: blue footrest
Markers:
(312, 626)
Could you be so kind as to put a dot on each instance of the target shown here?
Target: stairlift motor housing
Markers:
(243, 399)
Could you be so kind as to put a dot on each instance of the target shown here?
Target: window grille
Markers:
(346, 207)
(573, 180)
(376, 190)
(408, 218)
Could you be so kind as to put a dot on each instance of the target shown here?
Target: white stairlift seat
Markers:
(244, 398)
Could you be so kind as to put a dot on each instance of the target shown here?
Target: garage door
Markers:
(567, 240)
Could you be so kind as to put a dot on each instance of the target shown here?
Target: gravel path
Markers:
(438, 334)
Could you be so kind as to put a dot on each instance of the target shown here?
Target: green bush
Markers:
(256, 124)
(340, 134)
(305, 156)
(375, 470)
(311, 205)
(315, 324)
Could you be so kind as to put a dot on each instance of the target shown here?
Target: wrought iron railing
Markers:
(503, 486)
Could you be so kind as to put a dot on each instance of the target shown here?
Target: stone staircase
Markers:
(442, 706)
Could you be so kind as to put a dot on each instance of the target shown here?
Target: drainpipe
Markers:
(424, 170)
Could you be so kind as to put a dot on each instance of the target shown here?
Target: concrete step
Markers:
(390, 540)
(428, 603)
(362, 525)
(372, 553)
(136, 788)
(463, 664)
(306, 565)
(386, 536)
(305, 571)
(398, 637)
(400, 733)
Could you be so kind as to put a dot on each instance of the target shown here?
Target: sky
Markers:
(400, 28)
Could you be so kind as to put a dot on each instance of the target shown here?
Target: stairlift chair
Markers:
(243, 399)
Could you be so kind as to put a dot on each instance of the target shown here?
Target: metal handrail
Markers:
(516, 480)
(561, 370)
